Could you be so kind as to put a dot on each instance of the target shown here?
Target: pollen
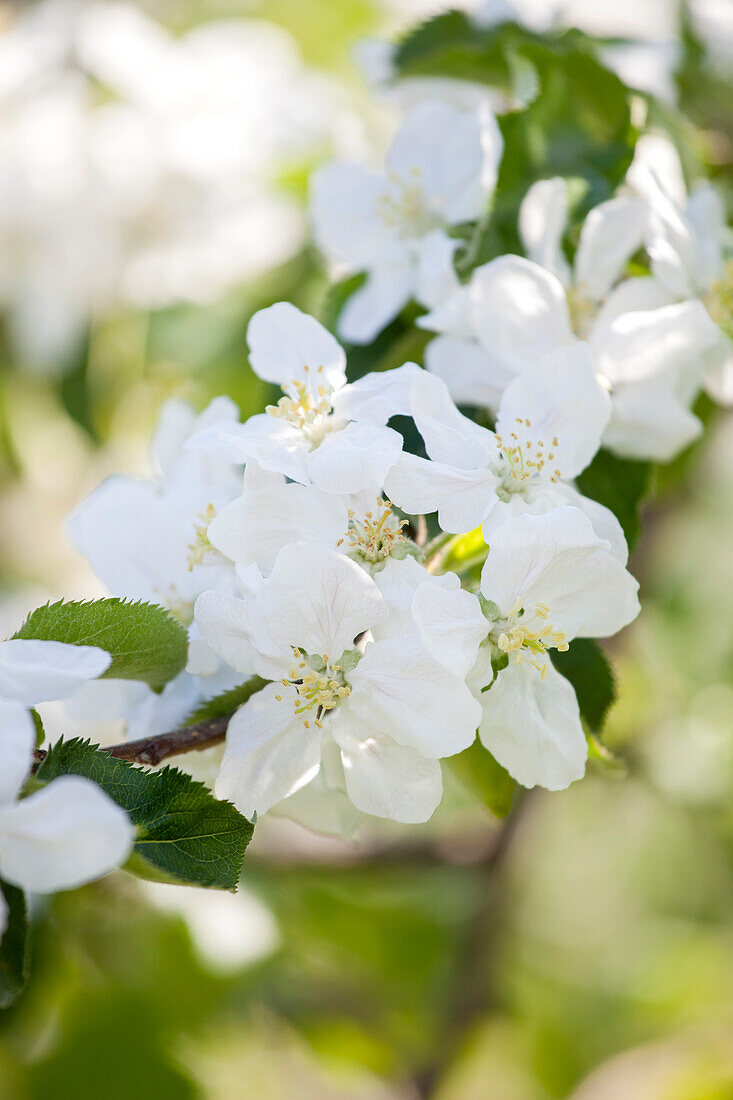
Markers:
(201, 548)
(519, 637)
(376, 536)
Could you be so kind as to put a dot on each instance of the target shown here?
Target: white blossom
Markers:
(549, 426)
(649, 353)
(547, 579)
(390, 707)
(146, 538)
(322, 431)
(686, 245)
(439, 172)
(69, 831)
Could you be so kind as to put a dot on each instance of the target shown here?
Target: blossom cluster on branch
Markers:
(365, 578)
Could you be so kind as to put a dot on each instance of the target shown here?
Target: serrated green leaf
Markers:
(621, 485)
(14, 946)
(587, 668)
(484, 776)
(185, 835)
(219, 706)
(145, 641)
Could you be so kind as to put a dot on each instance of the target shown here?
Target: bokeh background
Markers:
(154, 162)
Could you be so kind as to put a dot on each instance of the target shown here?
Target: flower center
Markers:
(376, 535)
(405, 209)
(201, 548)
(319, 685)
(582, 310)
(308, 406)
(531, 641)
(522, 461)
(719, 300)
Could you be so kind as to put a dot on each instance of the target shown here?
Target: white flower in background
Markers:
(162, 189)
(513, 310)
(439, 172)
(322, 431)
(69, 832)
(549, 426)
(146, 538)
(547, 579)
(685, 242)
(390, 707)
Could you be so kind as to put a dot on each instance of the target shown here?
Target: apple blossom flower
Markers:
(439, 172)
(513, 310)
(322, 431)
(390, 707)
(549, 426)
(70, 831)
(548, 579)
(685, 242)
(146, 539)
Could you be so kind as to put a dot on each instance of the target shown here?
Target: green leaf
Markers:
(574, 120)
(336, 298)
(185, 835)
(484, 776)
(14, 946)
(145, 641)
(219, 706)
(621, 485)
(586, 666)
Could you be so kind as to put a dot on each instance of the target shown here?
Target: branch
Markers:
(153, 750)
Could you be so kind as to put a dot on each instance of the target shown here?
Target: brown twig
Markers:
(153, 750)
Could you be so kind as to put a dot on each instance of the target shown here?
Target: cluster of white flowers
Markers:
(277, 542)
(141, 169)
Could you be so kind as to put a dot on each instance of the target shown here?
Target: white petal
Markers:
(33, 671)
(400, 688)
(472, 376)
(269, 753)
(378, 395)
(357, 457)
(556, 559)
(398, 581)
(462, 498)
(719, 373)
(452, 625)
(650, 420)
(559, 406)
(449, 436)
(255, 527)
(604, 522)
(543, 217)
(436, 276)
(175, 423)
(706, 214)
(532, 727)
(389, 286)
(520, 311)
(611, 234)
(17, 741)
(286, 345)
(274, 444)
(319, 600)
(233, 628)
(632, 296)
(638, 346)
(452, 155)
(387, 779)
(62, 836)
(344, 207)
